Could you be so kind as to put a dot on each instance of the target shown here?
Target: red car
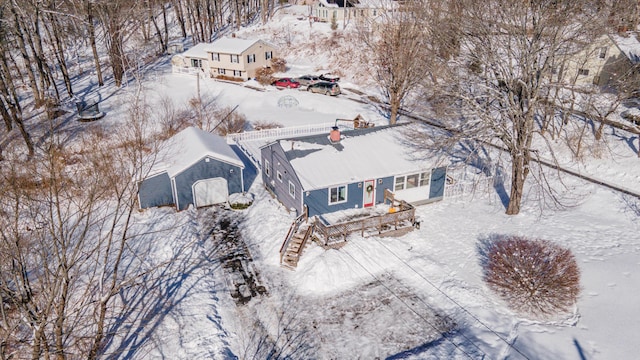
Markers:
(287, 83)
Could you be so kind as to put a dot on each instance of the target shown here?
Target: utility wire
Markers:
(408, 306)
(426, 304)
(453, 300)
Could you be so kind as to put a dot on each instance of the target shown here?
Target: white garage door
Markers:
(210, 191)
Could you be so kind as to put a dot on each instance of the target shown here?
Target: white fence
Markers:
(480, 186)
(281, 133)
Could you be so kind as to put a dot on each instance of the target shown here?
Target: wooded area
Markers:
(484, 68)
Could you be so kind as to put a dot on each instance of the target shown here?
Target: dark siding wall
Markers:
(387, 183)
(206, 170)
(279, 163)
(438, 178)
(318, 200)
(155, 191)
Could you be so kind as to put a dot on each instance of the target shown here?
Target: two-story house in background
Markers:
(609, 61)
(227, 57)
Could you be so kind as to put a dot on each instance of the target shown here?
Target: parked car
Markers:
(324, 87)
(329, 77)
(307, 80)
(287, 83)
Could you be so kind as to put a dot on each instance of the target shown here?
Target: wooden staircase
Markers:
(294, 244)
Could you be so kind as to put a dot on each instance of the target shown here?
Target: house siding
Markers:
(318, 200)
(155, 191)
(248, 69)
(206, 170)
(277, 160)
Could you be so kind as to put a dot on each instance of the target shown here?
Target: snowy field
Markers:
(418, 296)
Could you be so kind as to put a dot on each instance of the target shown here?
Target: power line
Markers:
(426, 304)
(408, 306)
(453, 300)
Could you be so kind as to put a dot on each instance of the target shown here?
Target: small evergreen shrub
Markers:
(535, 277)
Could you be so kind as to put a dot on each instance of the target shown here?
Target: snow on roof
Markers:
(229, 45)
(327, 4)
(199, 51)
(377, 4)
(629, 46)
(188, 147)
(361, 154)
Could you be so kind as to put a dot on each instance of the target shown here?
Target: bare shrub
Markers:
(262, 125)
(264, 76)
(230, 122)
(229, 78)
(279, 64)
(535, 277)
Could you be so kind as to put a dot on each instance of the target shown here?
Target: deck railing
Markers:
(281, 133)
(338, 233)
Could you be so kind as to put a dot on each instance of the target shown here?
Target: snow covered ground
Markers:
(418, 296)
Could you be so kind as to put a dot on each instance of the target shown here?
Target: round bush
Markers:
(535, 277)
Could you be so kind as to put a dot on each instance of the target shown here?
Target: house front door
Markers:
(369, 194)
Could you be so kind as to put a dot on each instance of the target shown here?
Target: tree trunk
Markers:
(152, 17)
(58, 48)
(37, 96)
(177, 6)
(92, 41)
(519, 172)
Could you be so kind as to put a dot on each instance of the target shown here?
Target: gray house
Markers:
(194, 167)
(318, 175)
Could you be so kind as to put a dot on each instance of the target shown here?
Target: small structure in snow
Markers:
(89, 111)
(288, 102)
(194, 167)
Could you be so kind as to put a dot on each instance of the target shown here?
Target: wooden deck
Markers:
(400, 219)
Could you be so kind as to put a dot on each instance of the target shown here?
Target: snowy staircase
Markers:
(294, 244)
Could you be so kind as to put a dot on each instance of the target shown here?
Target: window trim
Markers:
(221, 71)
(268, 55)
(236, 58)
(279, 175)
(338, 201)
(292, 189)
(215, 56)
(267, 168)
(251, 58)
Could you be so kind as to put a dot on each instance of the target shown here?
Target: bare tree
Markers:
(500, 86)
(399, 51)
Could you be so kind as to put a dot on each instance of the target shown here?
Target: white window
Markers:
(221, 71)
(337, 194)
(251, 58)
(412, 181)
(583, 72)
(215, 56)
(196, 63)
(267, 168)
(268, 55)
(292, 190)
(235, 58)
(279, 175)
(399, 183)
(237, 73)
(424, 179)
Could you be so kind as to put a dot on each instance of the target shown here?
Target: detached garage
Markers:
(194, 167)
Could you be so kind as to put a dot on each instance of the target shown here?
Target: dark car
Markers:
(307, 80)
(324, 87)
(287, 83)
(329, 77)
